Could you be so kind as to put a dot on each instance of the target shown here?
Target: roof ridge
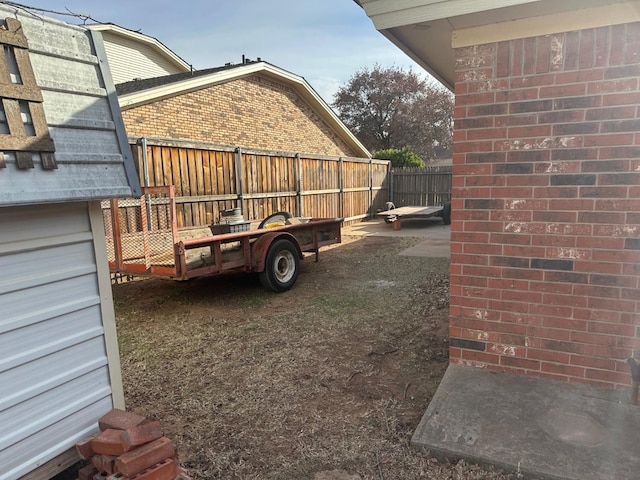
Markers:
(146, 83)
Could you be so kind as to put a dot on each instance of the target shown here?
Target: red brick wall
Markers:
(253, 112)
(545, 251)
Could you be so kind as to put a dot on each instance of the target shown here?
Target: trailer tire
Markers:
(446, 213)
(281, 266)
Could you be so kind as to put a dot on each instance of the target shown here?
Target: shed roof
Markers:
(140, 92)
(428, 31)
(92, 156)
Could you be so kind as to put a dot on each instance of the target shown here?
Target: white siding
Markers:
(130, 59)
(85, 122)
(54, 370)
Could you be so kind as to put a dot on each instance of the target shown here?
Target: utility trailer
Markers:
(143, 239)
(394, 215)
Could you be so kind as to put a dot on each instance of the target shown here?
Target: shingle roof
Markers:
(144, 84)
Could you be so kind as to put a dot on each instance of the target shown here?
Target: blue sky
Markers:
(324, 41)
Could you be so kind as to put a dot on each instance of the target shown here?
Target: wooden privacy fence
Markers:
(420, 186)
(211, 178)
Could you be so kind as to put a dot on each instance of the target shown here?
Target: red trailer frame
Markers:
(143, 239)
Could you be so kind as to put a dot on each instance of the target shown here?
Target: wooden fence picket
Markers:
(210, 178)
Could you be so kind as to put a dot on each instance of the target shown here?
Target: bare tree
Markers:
(393, 108)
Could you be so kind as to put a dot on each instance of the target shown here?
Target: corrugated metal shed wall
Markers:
(54, 374)
(129, 59)
(59, 367)
(83, 116)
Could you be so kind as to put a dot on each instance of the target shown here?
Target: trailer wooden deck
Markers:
(411, 212)
(143, 239)
(395, 216)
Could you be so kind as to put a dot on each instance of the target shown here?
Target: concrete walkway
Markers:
(436, 235)
(538, 427)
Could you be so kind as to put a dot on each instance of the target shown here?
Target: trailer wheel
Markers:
(281, 267)
(446, 214)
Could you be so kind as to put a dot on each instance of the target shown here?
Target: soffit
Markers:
(429, 30)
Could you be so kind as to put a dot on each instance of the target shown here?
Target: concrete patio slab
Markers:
(538, 427)
(436, 235)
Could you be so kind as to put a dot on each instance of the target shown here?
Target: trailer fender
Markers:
(260, 248)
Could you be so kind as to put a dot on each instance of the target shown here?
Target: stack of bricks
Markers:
(129, 447)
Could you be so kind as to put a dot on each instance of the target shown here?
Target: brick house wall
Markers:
(545, 251)
(253, 112)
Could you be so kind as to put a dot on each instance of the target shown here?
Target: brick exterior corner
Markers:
(252, 112)
(545, 251)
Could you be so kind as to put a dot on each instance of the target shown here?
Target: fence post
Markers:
(390, 173)
(341, 187)
(370, 212)
(238, 167)
(299, 187)
(142, 149)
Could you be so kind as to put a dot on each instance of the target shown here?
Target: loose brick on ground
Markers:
(96, 461)
(104, 463)
(109, 442)
(87, 472)
(84, 448)
(145, 456)
(136, 436)
(120, 420)
(165, 470)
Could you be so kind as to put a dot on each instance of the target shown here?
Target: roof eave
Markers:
(387, 14)
(429, 30)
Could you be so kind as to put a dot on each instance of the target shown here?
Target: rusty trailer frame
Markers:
(143, 239)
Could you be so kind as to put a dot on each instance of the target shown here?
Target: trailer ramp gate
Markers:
(141, 233)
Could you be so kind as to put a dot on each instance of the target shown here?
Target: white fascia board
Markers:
(303, 88)
(583, 19)
(387, 14)
(381, 7)
(140, 37)
(306, 91)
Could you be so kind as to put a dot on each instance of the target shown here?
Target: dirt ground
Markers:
(334, 374)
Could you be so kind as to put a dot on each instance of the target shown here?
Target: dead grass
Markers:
(334, 374)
